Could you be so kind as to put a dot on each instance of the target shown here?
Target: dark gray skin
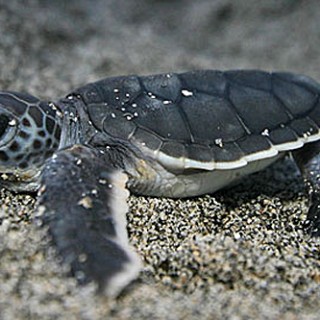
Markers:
(174, 135)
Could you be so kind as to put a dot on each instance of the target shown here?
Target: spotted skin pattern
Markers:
(36, 131)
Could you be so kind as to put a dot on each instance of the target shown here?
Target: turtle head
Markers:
(29, 134)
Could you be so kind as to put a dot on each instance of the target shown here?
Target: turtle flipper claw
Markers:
(308, 160)
(312, 223)
(83, 204)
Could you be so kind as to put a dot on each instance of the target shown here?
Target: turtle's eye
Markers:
(4, 122)
(8, 128)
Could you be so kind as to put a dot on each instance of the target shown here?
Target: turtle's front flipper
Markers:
(83, 203)
(308, 160)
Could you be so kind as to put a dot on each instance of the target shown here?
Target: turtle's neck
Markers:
(70, 122)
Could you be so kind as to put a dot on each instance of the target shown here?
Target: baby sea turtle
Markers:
(169, 135)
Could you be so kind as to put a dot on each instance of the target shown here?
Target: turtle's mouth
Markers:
(27, 181)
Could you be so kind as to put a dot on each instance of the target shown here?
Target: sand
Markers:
(238, 254)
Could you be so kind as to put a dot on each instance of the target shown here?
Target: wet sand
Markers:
(238, 254)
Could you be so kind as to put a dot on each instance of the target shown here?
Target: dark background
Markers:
(58, 44)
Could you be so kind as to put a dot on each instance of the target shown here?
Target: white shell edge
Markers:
(185, 163)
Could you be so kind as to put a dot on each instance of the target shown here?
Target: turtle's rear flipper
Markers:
(83, 203)
(308, 160)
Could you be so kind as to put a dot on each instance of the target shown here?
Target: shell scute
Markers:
(115, 91)
(282, 135)
(297, 99)
(227, 152)
(147, 138)
(200, 152)
(253, 143)
(206, 81)
(163, 119)
(258, 109)
(118, 127)
(174, 149)
(304, 127)
(209, 119)
(164, 86)
(314, 114)
(300, 80)
(259, 80)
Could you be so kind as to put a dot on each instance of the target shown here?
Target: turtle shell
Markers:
(207, 119)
